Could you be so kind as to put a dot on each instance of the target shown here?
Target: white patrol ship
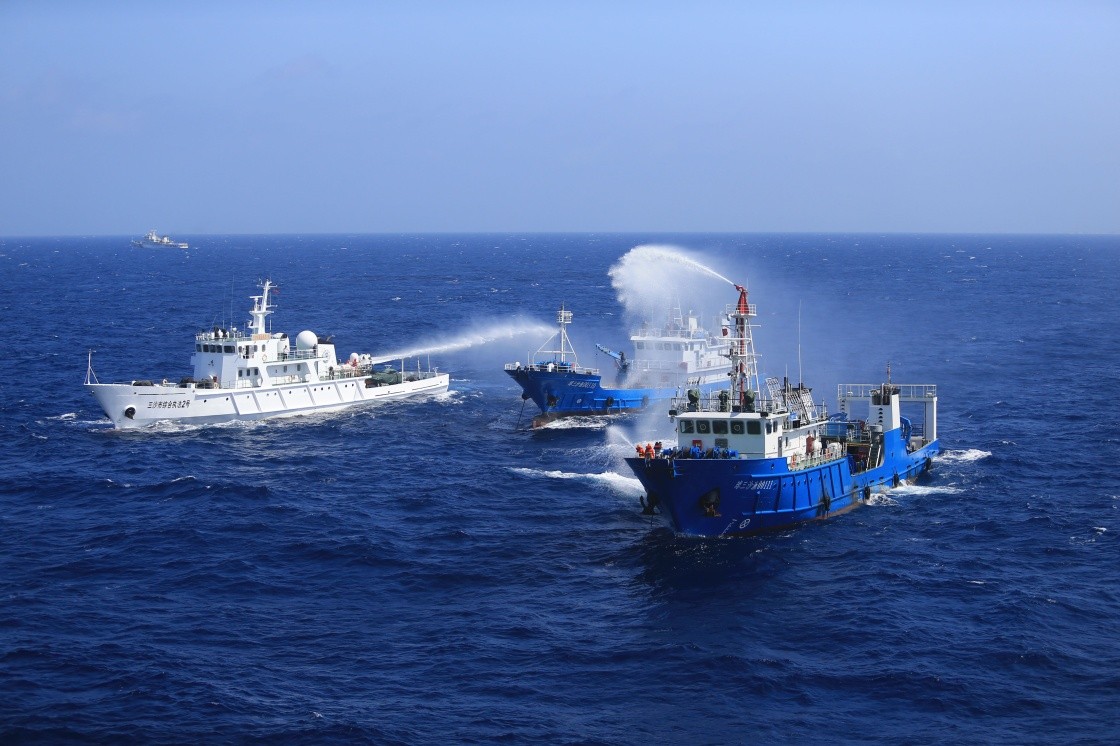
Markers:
(254, 374)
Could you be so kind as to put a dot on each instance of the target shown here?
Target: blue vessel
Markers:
(667, 360)
(748, 461)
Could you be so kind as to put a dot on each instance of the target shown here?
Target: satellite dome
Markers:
(306, 340)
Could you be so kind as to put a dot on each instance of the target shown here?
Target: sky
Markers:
(481, 115)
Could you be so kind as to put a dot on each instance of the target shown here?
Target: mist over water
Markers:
(650, 278)
(485, 335)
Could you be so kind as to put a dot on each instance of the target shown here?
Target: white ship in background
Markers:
(155, 241)
(253, 374)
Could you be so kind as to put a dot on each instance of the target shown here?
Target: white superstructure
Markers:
(680, 351)
(253, 374)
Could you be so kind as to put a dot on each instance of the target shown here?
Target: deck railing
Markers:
(906, 391)
(553, 368)
(713, 403)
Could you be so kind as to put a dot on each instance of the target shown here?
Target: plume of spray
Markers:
(649, 278)
(471, 338)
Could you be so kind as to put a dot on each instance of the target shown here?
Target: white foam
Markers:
(966, 456)
(616, 482)
(923, 489)
(577, 423)
(880, 500)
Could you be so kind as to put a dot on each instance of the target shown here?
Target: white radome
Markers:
(306, 340)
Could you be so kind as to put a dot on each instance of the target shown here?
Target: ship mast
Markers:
(744, 362)
(563, 318)
(261, 309)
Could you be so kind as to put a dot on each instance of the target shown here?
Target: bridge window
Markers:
(737, 427)
(703, 427)
(754, 427)
(686, 426)
(719, 427)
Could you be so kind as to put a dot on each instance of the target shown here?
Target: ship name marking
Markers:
(182, 404)
(756, 484)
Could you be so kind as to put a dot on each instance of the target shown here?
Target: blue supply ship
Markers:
(667, 360)
(746, 461)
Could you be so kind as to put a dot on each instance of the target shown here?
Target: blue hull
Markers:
(739, 497)
(566, 393)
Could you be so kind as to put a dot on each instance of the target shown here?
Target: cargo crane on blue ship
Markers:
(620, 362)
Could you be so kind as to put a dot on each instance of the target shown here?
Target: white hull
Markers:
(150, 404)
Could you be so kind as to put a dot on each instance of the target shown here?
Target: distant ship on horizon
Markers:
(155, 241)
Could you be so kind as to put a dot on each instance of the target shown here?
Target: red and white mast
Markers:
(744, 363)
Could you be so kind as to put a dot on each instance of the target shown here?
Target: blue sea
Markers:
(431, 571)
